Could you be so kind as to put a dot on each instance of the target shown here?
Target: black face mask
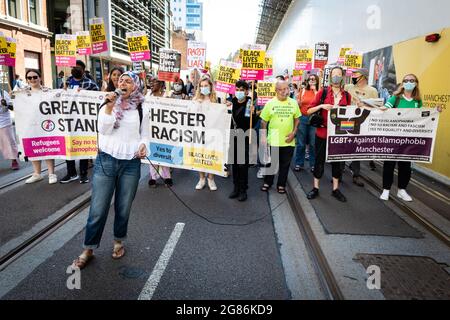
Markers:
(356, 80)
(77, 73)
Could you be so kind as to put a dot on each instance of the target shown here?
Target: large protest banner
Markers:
(321, 52)
(268, 68)
(229, 74)
(98, 35)
(304, 58)
(344, 49)
(253, 62)
(266, 92)
(169, 65)
(188, 135)
(356, 134)
(196, 55)
(66, 50)
(138, 46)
(84, 43)
(57, 124)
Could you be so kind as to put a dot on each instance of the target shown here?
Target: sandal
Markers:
(82, 261)
(265, 188)
(281, 190)
(119, 251)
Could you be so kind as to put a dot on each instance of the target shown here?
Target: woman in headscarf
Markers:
(123, 137)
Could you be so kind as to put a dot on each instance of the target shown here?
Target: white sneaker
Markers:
(385, 195)
(201, 184)
(34, 178)
(212, 185)
(259, 175)
(402, 194)
(52, 179)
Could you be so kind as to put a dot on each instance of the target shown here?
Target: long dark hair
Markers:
(33, 70)
(308, 85)
(111, 87)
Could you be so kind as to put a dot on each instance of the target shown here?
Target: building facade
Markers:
(26, 21)
(187, 15)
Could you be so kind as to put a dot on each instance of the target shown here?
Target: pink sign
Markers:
(99, 47)
(225, 87)
(46, 146)
(268, 72)
(66, 61)
(251, 75)
(140, 56)
(263, 101)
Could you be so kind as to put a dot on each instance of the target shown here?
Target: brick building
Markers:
(26, 21)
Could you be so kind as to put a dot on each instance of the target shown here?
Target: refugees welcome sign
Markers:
(57, 124)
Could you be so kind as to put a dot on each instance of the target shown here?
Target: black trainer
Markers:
(339, 196)
(168, 183)
(243, 196)
(314, 193)
(152, 183)
(84, 179)
(68, 179)
(372, 166)
(234, 194)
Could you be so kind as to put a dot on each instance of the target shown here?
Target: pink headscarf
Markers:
(132, 102)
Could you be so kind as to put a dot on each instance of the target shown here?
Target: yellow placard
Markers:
(65, 47)
(228, 75)
(203, 159)
(344, 50)
(3, 45)
(138, 44)
(353, 60)
(12, 48)
(304, 55)
(98, 33)
(269, 63)
(266, 89)
(83, 41)
(253, 59)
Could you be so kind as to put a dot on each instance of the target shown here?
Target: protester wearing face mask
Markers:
(360, 90)
(407, 96)
(327, 99)
(206, 94)
(179, 90)
(78, 80)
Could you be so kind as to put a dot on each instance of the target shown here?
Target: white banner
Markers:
(57, 124)
(188, 135)
(356, 134)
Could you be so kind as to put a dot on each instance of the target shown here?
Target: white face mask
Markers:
(177, 87)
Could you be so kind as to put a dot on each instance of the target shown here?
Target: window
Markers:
(14, 8)
(34, 12)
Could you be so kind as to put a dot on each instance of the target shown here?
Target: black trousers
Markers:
(319, 167)
(356, 168)
(72, 170)
(240, 168)
(286, 155)
(404, 174)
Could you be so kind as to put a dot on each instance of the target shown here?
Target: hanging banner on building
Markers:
(297, 75)
(188, 135)
(98, 35)
(266, 92)
(344, 49)
(304, 58)
(353, 61)
(196, 55)
(66, 50)
(169, 65)
(138, 46)
(321, 53)
(84, 43)
(57, 124)
(268, 68)
(356, 134)
(229, 74)
(253, 62)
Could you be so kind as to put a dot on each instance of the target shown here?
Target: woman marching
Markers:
(122, 144)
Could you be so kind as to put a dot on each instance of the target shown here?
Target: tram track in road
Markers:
(16, 181)
(41, 235)
(411, 212)
(329, 284)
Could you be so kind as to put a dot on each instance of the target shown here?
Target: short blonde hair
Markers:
(199, 96)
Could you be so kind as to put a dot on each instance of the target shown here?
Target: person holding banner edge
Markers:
(327, 99)
(123, 142)
(35, 84)
(407, 96)
(206, 93)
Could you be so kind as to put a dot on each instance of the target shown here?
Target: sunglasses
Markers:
(312, 80)
(33, 78)
(409, 80)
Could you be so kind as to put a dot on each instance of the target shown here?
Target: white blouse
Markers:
(123, 143)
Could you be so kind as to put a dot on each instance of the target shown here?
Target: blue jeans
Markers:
(111, 174)
(306, 135)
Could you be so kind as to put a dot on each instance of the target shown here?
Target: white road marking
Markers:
(158, 271)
